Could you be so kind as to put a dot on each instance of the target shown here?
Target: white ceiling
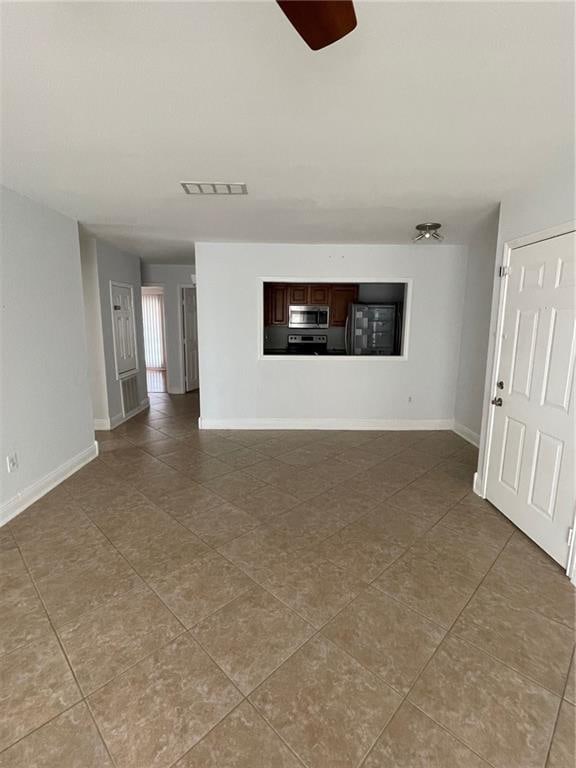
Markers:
(426, 111)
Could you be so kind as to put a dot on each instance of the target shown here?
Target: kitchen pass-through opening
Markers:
(338, 319)
(154, 337)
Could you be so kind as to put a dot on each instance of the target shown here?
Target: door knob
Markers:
(496, 401)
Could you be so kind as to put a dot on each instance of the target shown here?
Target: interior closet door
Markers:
(124, 328)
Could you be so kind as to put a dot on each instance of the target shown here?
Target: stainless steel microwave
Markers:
(308, 316)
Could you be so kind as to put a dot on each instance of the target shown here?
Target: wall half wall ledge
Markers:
(367, 424)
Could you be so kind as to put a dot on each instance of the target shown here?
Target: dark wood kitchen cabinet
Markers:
(319, 294)
(275, 304)
(279, 296)
(298, 294)
(341, 296)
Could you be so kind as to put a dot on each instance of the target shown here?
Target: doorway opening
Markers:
(154, 337)
(189, 338)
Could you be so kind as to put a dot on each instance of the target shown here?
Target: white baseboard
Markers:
(104, 425)
(467, 434)
(344, 424)
(40, 488)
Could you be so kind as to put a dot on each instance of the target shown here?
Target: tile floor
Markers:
(275, 600)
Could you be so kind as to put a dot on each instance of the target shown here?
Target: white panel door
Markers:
(190, 339)
(124, 328)
(531, 464)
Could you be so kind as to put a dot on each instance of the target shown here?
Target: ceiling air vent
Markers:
(214, 188)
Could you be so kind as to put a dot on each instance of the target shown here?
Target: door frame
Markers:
(179, 288)
(498, 311)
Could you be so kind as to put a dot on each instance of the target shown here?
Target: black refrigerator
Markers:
(374, 329)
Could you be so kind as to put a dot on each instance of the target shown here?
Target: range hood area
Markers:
(334, 319)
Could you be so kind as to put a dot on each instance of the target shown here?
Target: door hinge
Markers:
(504, 271)
(570, 536)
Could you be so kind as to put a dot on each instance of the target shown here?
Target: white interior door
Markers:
(124, 328)
(531, 465)
(190, 339)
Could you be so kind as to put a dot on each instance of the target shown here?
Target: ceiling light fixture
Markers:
(214, 188)
(427, 231)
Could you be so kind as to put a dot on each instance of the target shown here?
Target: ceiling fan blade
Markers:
(320, 22)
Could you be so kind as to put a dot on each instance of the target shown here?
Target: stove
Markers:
(307, 344)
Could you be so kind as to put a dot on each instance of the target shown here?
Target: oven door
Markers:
(306, 316)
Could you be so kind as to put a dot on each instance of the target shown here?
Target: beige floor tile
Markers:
(55, 553)
(157, 488)
(416, 458)
(183, 457)
(120, 522)
(200, 588)
(197, 498)
(69, 594)
(485, 523)
(348, 505)
(266, 503)
(570, 692)
(386, 637)
(160, 448)
(16, 586)
(412, 740)
(241, 740)
(235, 485)
(534, 584)
(563, 749)
(258, 551)
(378, 487)
(7, 540)
(241, 457)
(304, 484)
(109, 639)
(442, 443)
(395, 525)
(270, 470)
(361, 456)
(502, 716)
(219, 523)
(251, 636)
(524, 640)
(357, 550)
(437, 482)
(434, 589)
(426, 504)
(156, 711)
(468, 554)
(46, 523)
(36, 685)
(69, 741)
(21, 622)
(211, 444)
(335, 471)
(316, 589)
(161, 549)
(308, 455)
(307, 525)
(355, 705)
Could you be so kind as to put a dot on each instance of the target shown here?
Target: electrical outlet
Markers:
(12, 462)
